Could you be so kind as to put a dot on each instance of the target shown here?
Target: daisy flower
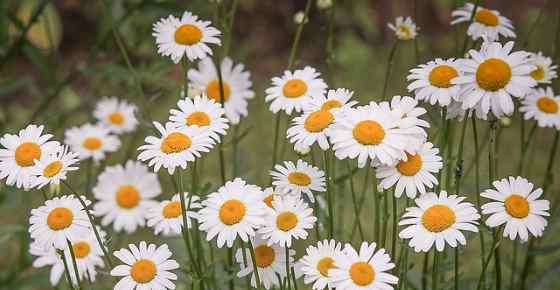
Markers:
(270, 260)
(318, 261)
(124, 195)
(408, 112)
(543, 106)
(187, 36)
(201, 112)
(117, 115)
(236, 83)
(175, 148)
(432, 82)
(91, 141)
(268, 195)
(404, 28)
(413, 174)
(334, 100)
(310, 128)
(438, 220)
(289, 218)
(363, 270)
(493, 76)
(145, 267)
(298, 178)
(51, 169)
(545, 71)
(517, 206)
(19, 152)
(292, 91)
(236, 209)
(167, 218)
(487, 23)
(59, 219)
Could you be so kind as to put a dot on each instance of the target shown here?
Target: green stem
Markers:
(254, 262)
(329, 197)
(185, 66)
(288, 267)
(456, 266)
(66, 269)
(513, 266)
(276, 135)
(388, 69)
(74, 263)
(395, 234)
(442, 145)
(459, 163)
(361, 202)
(357, 220)
(435, 270)
(385, 225)
(377, 209)
(466, 39)
(329, 45)
(477, 189)
(297, 36)
(424, 277)
(497, 238)
(217, 63)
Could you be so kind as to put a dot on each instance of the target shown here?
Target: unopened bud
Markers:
(324, 4)
(300, 18)
(505, 122)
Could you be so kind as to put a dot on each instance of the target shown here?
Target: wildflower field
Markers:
(259, 144)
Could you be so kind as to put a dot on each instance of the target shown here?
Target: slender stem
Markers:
(442, 144)
(395, 235)
(459, 163)
(525, 147)
(466, 39)
(425, 271)
(388, 69)
(185, 228)
(497, 238)
(435, 270)
(456, 266)
(477, 189)
(385, 218)
(326, 164)
(185, 66)
(297, 36)
(66, 269)
(377, 209)
(288, 266)
(329, 44)
(74, 263)
(254, 262)
(231, 283)
(513, 266)
(218, 66)
(276, 135)
(294, 280)
(357, 219)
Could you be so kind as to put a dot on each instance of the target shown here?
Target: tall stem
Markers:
(459, 163)
(424, 277)
(435, 270)
(254, 262)
(74, 263)
(477, 189)
(466, 39)
(326, 164)
(297, 36)
(66, 269)
(357, 220)
(288, 266)
(185, 228)
(388, 69)
(491, 178)
(442, 144)
(395, 234)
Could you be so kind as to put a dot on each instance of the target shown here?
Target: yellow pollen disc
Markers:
(486, 17)
(175, 143)
(324, 265)
(143, 271)
(368, 133)
(232, 212)
(59, 218)
(127, 196)
(81, 249)
(200, 119)
(286, 221)
(188, 34)
(517, 206)
(493, 74)
(213, 91)
(331, 104)
(299, 178)
(294, 88)
(362, 273)
(52, 169)
(538, 73)
(26, 153)
(411, 166)
(172, 210)
(92, 143)
(268, 200)
(405, 32)
(264, 256)
(547, 105)
(441, 76)
(438, 218)
(318, 121)
(116, 118)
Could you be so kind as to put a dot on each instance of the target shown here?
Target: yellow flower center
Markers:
(538, 73)
(81, 249)
(294, 88)
(52, 169)
(517, 206)
(411, 166)
(143, 271)
(127, 196)
(324, 265)
(368, 133)
(92, 143)
(26, 153)
(200, 119)
(175, 143)
(264, 256)
(404, 32)
(299, 178)
(116, 118)
(286, 221)
(172, 210)
(232, 212)
(331, 104)
(441, 76)
(362, 273)
(188, 34)
(268, 200)
(493, 74)
(59, 218)
(318, 121)
(486, 17)
(547, 105)
(213, 91)
(438, 218)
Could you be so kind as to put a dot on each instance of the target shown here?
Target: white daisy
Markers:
(408, 112)
(298, 178)
(236, 209)
(289, 218)
(268, 195)
(167, 218)
(175, 148)
(543, 106)
(363, 270)
(294, 90)
(438, 220)
(59, 219)
(51, 169)
(517, 206)
(20, 151)
(124, 195)
(487, 23)
(310, 128)
(201, 112)
(455, 111)
(493, 76)
(334, 100)
(91, 141)
(117, 115)
(318, 261)
(404, 28)
(146, 267)
(431, 82)
(237, 86)
(545, 71)
(187, 36)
